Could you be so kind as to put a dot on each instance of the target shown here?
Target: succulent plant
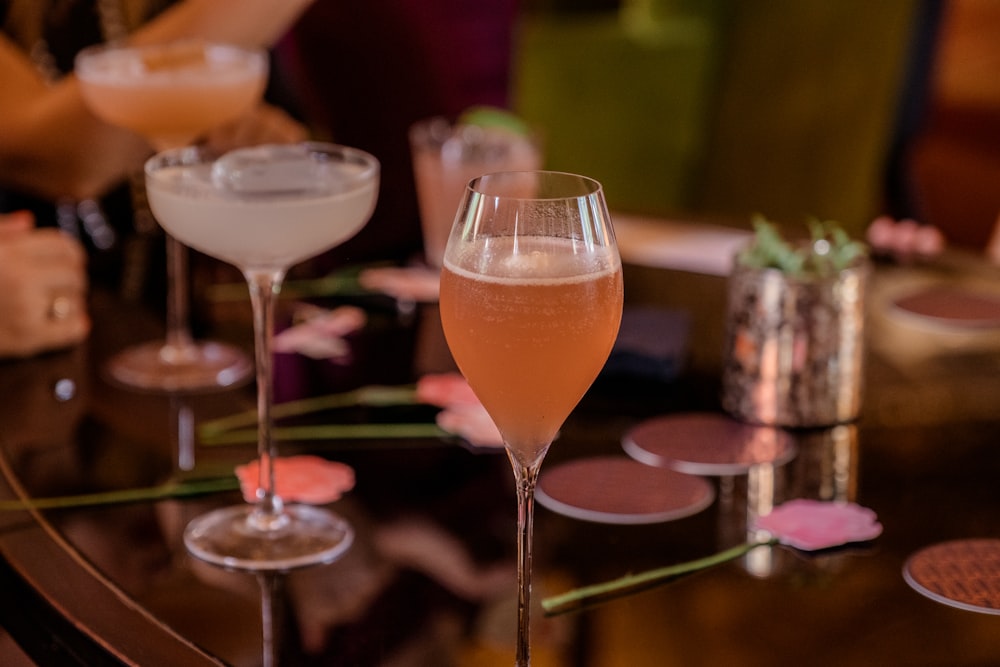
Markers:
(828, 251)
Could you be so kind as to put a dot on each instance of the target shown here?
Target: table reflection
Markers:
(430, 580)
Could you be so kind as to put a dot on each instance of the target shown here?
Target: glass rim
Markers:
(83, 60)
(196, 154)
(592, 187)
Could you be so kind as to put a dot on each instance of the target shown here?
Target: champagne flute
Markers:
(264, 209)
(531, 300)
(171, 94)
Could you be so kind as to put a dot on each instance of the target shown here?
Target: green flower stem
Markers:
(336, 284)
(588, 596)
(330, 432)
(376, 396)
(184, 489)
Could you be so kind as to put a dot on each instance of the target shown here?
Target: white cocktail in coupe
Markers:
(264, 209)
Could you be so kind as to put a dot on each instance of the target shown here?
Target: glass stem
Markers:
(269, 584)
(183, 422)
(264, 288)
(179, 341)
(525, 476)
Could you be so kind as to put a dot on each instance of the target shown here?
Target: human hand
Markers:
(43, 287)
(266, 124)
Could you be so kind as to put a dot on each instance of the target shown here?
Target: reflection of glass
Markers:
(827, 468)
(263, 209)
(171, 95)
(743, 499)
(446, 156)
(270, 585)
(531, 301)
(182, 421)
(762, 494)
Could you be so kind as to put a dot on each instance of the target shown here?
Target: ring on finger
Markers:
(61, 307)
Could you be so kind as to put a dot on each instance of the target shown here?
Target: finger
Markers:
(284, 127)
(41, 321)
(65, 321)
(64, 282)
(17, 222)
(50, 245)
(265, 124)
(55, 294)
(64, 333)
(270, 125)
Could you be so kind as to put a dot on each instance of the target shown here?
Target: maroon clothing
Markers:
(365, 70)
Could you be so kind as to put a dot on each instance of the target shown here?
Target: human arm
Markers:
(265, 124)
(50, 144)
(246, 22)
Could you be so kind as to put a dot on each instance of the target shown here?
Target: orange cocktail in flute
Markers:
(531, 300)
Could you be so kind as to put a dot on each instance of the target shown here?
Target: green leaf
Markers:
(830, 249)
(494, 117)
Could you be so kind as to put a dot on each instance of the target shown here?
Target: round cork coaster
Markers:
(951, 306)
(960, 573)
(618, 490)
(707, 444)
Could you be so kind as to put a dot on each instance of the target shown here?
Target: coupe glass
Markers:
(264, 209)
(531, 301)
(171, 95)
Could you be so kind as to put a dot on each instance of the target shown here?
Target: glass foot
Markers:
(202, 366)
(303, 535)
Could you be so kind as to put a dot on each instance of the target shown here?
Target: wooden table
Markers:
(430, 579)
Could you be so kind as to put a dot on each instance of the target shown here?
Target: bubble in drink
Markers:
(524, 265)
(538, 259)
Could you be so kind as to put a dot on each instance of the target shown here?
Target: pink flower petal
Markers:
(320, 336)
(471, 422)
(311, 343)
(340, 321)
(304, 479)
(905, 237)
(445, 390)
(814, 524)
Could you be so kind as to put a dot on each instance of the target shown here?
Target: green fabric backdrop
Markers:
(720, 107)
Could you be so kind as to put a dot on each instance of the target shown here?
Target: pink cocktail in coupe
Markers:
(172, 95)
